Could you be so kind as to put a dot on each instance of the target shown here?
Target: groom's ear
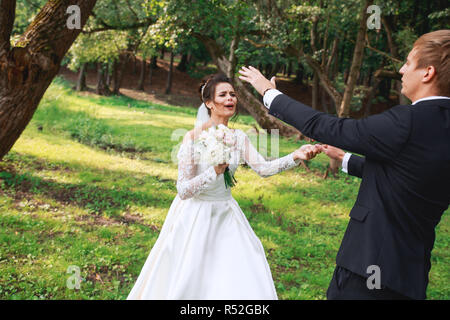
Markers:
(430, 74)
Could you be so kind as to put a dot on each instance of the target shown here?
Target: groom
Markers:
(405, 171)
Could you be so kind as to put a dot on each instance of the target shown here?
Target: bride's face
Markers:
(225, 101)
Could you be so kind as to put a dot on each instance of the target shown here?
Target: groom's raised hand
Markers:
(256, 79)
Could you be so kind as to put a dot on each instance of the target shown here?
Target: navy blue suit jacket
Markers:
(405, 185)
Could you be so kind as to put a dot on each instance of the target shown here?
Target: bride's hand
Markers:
(221, 168)
(307, 152)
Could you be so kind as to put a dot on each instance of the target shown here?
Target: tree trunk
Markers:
(152, 67)
(232, 58)
(289, 69)
(81, 81)
(315, 92)
(169, 76)
(119, 71)
(325, 81)
(358, 54)
(268, 69)
(134, 64)
(324, 101)
(116, 85)
(367, 101)
(154, 63)
(102, 88)
(107, 76)
(274, 70)
(182, 66)
(27, 70)
(299, 74)
(332, 57)
(394, 53)
(142, 74)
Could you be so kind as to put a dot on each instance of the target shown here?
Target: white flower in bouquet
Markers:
(219, 134)
(229, 140)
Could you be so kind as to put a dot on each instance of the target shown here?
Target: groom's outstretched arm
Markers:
(379, 136)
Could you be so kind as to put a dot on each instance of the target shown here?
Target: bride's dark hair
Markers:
(207, 90)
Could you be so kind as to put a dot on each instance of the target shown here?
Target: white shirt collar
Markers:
(430, 98)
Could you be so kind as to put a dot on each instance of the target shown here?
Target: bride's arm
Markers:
(260, 165)
(189, 185)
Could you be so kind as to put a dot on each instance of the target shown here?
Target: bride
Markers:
(206, 248)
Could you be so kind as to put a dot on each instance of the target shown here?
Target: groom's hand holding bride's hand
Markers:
(333, 152)
(256, 79)
(307, 152)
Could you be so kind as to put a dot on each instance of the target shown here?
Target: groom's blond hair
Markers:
(433, 49)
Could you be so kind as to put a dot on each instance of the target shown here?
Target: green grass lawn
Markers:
(90, 182)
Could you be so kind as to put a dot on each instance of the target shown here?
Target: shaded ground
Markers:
(184, 87)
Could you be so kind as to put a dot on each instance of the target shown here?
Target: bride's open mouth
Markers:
(229, 106)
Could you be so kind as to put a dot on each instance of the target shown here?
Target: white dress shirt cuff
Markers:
(345, 162)
(269, 96)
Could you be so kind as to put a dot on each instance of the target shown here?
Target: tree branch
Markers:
(233, 47)
(107, 27)
(262, 45)
(323, 76)
(48, 36)
(392, 46)
(7, 17)
(324, 79)
(368, 46)
(131, 9)
(333, 54)
(381, 73)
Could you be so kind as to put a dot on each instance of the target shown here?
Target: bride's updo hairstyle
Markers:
(207, 90)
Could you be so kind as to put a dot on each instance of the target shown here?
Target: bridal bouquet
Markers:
(215, 146)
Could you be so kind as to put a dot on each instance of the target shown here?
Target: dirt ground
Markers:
(184, 88)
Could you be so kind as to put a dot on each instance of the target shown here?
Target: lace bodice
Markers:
(201, 180)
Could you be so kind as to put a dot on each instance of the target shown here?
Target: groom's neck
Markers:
(424, 92)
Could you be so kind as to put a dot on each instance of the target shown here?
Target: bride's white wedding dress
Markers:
(206, 248)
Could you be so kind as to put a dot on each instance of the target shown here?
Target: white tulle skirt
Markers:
(206, 250)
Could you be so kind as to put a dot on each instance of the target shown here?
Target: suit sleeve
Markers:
(356, 165)
(380, 136)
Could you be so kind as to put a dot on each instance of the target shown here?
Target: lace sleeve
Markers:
(189, 185)
(261, 166)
